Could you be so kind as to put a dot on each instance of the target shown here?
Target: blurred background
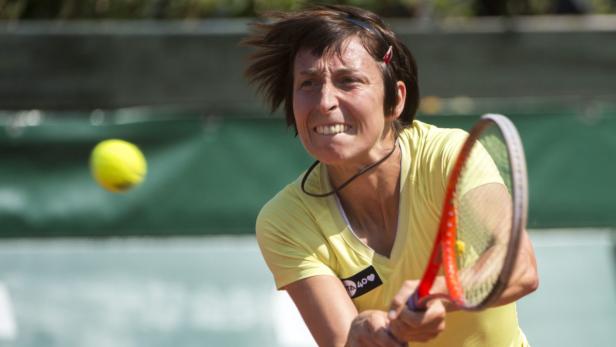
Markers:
(174, 261)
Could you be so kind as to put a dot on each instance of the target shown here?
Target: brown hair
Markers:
(323, 30)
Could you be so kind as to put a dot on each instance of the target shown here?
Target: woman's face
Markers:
(338, 106)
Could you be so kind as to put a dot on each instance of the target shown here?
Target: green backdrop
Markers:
(210, 175)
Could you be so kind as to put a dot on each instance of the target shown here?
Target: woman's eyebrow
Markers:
(314, 71)
(347, 70)
(310, 72)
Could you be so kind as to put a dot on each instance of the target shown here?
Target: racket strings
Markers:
(484, 210)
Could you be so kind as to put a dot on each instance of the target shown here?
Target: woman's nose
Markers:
(329, 98)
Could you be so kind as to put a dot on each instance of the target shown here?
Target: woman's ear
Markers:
(400, 99)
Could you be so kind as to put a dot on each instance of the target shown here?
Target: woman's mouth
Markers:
(331, 129)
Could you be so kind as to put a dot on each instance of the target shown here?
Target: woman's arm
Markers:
(332, 318)
(524, 278)
(325, 307)
(523, 281)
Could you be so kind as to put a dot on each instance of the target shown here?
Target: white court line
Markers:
(8, 328)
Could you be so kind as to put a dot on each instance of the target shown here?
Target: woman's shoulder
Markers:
(294, 222)
(421, 131)
(283, 202)
(428, 139)
(290, 206)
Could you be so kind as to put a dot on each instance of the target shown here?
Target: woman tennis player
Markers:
(349, 238)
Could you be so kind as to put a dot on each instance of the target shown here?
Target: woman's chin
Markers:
(331, 157)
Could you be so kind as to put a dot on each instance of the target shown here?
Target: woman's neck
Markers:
(371, 203)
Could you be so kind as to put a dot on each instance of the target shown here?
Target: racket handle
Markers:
(413, 303)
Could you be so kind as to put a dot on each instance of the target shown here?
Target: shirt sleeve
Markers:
(290, 242)
(479, 169)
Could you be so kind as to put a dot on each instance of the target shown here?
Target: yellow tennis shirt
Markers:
(302, 236)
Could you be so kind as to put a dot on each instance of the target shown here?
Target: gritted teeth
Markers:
(331, 129)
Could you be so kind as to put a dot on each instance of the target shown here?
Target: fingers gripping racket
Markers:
(484, 212)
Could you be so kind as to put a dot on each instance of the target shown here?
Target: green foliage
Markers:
(191, 9)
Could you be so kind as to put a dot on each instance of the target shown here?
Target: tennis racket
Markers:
(483, 215)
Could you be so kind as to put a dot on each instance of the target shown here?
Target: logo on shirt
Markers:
(362, 282)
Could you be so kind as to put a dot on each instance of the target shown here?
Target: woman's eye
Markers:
(307, 84)
(349, 80)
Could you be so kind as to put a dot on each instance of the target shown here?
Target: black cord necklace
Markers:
(346, 183)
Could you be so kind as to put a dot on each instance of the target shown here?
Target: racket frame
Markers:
(444, 248)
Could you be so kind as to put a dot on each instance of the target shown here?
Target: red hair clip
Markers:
(388, 55)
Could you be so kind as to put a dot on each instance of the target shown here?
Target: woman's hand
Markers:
(369, 329)
(407, 325)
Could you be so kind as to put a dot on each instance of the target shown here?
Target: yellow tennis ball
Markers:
(460, 247)
(117, 165)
